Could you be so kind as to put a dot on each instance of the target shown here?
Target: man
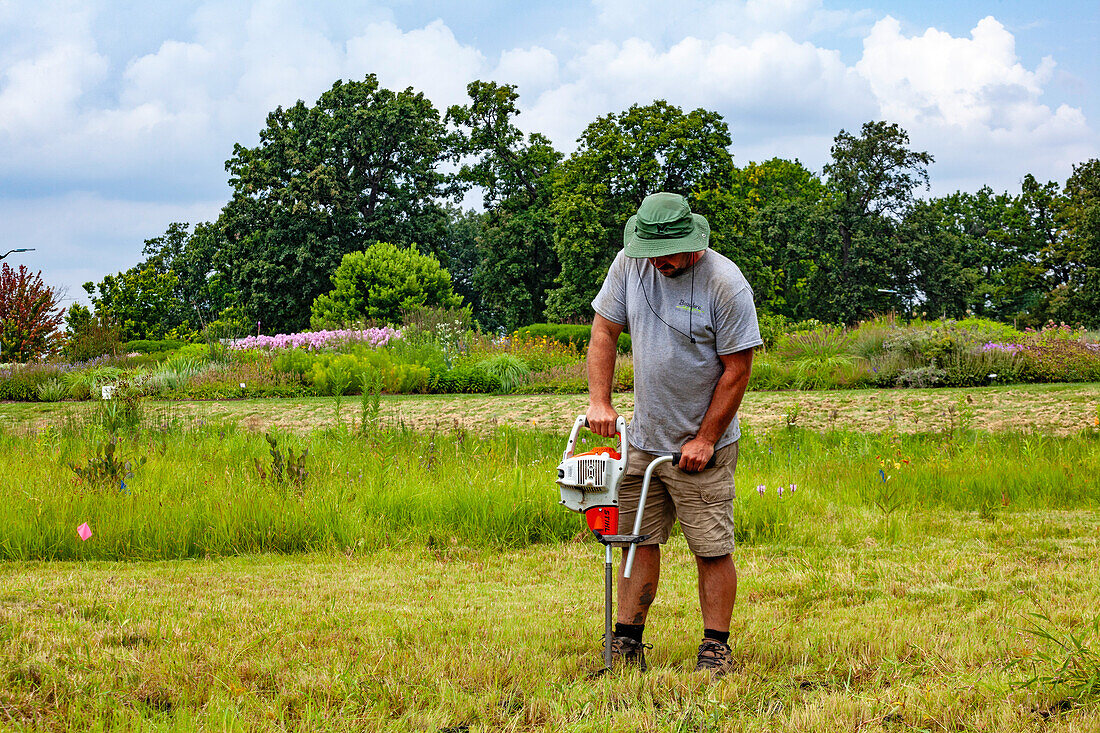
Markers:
(693, 327)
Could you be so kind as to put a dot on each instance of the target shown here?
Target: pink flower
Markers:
(760, 489)
(793, 487)
(779, 489)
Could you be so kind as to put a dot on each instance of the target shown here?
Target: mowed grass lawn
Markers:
(848, 619)
(876, 636)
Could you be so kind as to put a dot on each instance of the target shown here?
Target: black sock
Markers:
(722, 636)
(633, 631)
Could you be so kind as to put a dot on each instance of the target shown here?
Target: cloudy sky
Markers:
(116, 117)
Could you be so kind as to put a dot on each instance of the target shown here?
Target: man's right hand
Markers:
(601, 419)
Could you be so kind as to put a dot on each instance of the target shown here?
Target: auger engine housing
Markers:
(589, 481)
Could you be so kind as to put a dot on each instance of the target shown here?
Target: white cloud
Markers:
(972, 103)
(81, 237)
(429, 59)
(177, 110)
(531, 69)
(42, 93)
(772, 85)
(959, 81)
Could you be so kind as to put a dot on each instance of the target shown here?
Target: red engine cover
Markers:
(603, 519)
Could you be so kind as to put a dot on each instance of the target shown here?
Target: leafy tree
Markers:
(517, 263)
(174, 291)
(870, 180)
(942, 268)
(377, 284)
(980, 252)
(140, 300)
(89, 336)
(766, 220)
(78, 319)
(29, 315)
(201, 292)
(620, 159)
(358, 167)
(1080, 219)
(460, 257)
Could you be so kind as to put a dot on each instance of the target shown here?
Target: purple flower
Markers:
(793, 487)
(779, 489)
(760, 489)
(314, 340)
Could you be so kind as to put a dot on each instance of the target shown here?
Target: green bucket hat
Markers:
(664, 225)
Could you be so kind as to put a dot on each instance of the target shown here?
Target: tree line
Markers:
(366, 165)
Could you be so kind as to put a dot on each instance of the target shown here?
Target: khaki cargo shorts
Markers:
(703, 502)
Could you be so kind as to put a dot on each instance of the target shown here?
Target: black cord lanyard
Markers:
(691, 304)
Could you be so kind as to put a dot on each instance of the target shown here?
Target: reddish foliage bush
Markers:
(1060, 360)
(29, 316)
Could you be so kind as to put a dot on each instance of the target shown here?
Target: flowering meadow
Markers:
(444, 356)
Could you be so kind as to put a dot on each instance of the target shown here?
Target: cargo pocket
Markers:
(718, 487)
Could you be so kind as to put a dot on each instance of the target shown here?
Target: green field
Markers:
(425, 579)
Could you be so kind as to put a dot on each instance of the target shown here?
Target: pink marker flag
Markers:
(84, 531)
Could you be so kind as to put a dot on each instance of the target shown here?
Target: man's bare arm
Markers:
(601, 373)
(724, 404)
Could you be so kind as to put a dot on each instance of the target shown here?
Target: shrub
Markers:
(426, 353)
(336, 374)
(330, 374)
(471, 379)
(624, 374)
(20, 383)
(1059, 360)
(52, 390)
(980, 330)
(921, 377)
(406, 379)
(577, 335)
(293, 361)
(146, 346)
(381, 282)
(89, 337)
(774, 327)
(29, 315)
(926, 345)
(508, 369)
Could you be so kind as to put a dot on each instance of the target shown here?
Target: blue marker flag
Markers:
(883, 474)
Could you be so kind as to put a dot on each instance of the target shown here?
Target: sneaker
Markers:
(714, 657)
(627, 651)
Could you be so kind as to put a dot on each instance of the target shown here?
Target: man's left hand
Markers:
(695, 454)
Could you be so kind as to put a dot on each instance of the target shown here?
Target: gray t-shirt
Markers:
(674, 379)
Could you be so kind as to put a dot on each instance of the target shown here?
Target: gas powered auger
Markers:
(590, 484)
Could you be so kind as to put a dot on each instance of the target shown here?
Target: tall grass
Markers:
(209, 491)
